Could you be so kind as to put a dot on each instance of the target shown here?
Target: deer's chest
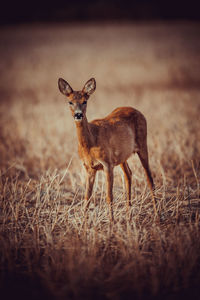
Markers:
(90, 157)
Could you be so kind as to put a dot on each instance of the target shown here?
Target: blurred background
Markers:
(97, 10)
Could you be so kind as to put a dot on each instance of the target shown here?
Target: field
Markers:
(46, 249)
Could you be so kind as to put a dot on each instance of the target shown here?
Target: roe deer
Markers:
(106, 143)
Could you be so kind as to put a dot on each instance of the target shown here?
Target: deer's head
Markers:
(77, 99)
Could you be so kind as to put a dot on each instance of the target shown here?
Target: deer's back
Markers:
(122, 117)
(120, 114)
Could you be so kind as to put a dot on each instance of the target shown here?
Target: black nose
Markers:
(78, 116)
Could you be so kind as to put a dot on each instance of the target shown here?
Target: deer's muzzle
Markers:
(78, 116)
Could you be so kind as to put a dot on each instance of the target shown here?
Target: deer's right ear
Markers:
(64, 87)
(89, 87)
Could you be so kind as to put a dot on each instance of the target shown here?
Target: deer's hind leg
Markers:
(128, 176)
(143, 155)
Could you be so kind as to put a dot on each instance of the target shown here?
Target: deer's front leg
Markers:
(89, 185)
(109, 184)
(127, 175)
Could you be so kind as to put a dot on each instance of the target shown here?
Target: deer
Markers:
(108, 142)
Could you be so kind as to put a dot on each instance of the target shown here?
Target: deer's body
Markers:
(108, 142)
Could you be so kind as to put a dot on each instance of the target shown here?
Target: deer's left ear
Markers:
(89, 87)
(64, 87)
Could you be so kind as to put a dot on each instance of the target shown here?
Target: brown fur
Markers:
(106, 143)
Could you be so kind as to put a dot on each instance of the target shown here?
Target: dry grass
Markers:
(46, 252)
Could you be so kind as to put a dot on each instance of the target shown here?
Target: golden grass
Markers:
(46, 251)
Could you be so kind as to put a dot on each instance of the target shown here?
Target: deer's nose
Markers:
(78, 116)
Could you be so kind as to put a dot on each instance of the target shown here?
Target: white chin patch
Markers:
(78, 119)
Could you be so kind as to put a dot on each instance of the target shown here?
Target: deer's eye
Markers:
(71, 103)
(84, 102)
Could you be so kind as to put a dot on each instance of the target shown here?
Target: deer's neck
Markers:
(84, 134)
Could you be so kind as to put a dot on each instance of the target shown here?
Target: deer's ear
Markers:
(64, 87)
(90, 87)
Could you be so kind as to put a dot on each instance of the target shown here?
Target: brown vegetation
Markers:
(45, 250)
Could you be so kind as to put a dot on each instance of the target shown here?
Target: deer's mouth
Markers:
(78, 116)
